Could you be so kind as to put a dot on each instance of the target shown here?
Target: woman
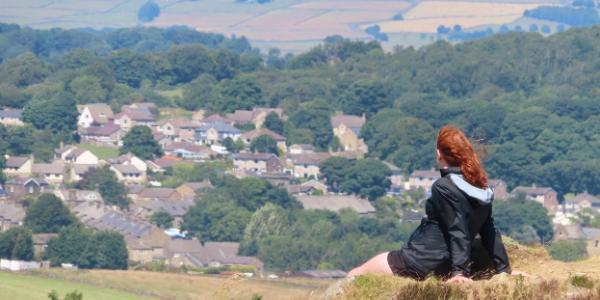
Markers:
(458, 211)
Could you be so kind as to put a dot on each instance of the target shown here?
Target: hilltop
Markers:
(550, 279)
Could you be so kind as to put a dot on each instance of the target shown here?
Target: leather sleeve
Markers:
(453, 219)
(492, 242)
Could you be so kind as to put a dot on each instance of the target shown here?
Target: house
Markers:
(581, 201)
(336, 203)
(74, 197)
(278, 179)
(306, 165)
(499, 187)
(257, 163)
(74, 155)
(317, 185)
(11, 215)
(347, 129)
(544, 195)
(40, 243)
(423, 179)
(301, 149)
(592, 236)
(129, 117)
(143, 208)
(568, 232)
(178, 129)
(248, 137)
(130, 159)
(189, 151)
(189, 190)
(129, 174)
(107, 134)
(255, 116)
(214, 133)
(77, 171)
(95, 114)
(54, 172)
(193, 253)
(164, 194)
(147, 247)
(20, 187)
(160, 164)
(18, 165)
(11, 117)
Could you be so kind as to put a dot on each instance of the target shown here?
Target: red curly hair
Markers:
(456, 149)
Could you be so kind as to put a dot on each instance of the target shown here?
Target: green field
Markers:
(18, 286)
(101, 152)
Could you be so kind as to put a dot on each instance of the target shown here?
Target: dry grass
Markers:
(549, 280)
(432, 9)
(187, 287)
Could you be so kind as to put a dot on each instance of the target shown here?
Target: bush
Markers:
(568, 250)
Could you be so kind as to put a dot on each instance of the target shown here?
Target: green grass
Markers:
(16, 286)
(101, 152)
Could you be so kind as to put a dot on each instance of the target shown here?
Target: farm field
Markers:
(291, 25)
(108, 285)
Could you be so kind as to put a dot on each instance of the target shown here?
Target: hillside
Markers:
(550, 279)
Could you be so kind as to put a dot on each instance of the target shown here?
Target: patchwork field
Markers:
(292, 25)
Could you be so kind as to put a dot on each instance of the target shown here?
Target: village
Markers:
(198, 138)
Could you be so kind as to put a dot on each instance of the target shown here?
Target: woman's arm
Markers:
(492, 242)
(453, 216)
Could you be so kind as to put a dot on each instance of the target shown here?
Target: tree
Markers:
(264, 144)
(198, 93)
(231, 145)
(48, 215)
(141, 143)
(214, 218)
(368, 178)
(188, 62)
(274, 123)
(24, 70)
(58, 114)
(88, 89)
(513, 216)
(568, 250)
(162, 219)
(16, 243)
(269, 220)
(148, 11)
(334, 171)
(239, 93)
(315, 118)
(105, 181)
(366, 96)
(88, 249)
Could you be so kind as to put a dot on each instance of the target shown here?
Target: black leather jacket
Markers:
(457, 214)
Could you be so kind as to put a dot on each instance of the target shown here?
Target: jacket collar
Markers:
(484, 196)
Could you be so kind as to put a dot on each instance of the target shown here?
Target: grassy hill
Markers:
(549, 279)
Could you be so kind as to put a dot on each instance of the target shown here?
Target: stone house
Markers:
(347, 129)
(193, 253)
(214, 133)
(129, 117)
(178, 129)
(108, 135)
(306, 165)
(301, 149)
(248, 137)
(189, 151)
(73, 155)
(189, 190)
(18, 165)
(499, 187)
(11, 117)
(54, 172)
(257, 163)
(20, 187)
(544, 195)
(40, 243)
(11, 215)
(592, 236)
(129, 174)
(581, 201)
(423, 179)
(95, 114)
